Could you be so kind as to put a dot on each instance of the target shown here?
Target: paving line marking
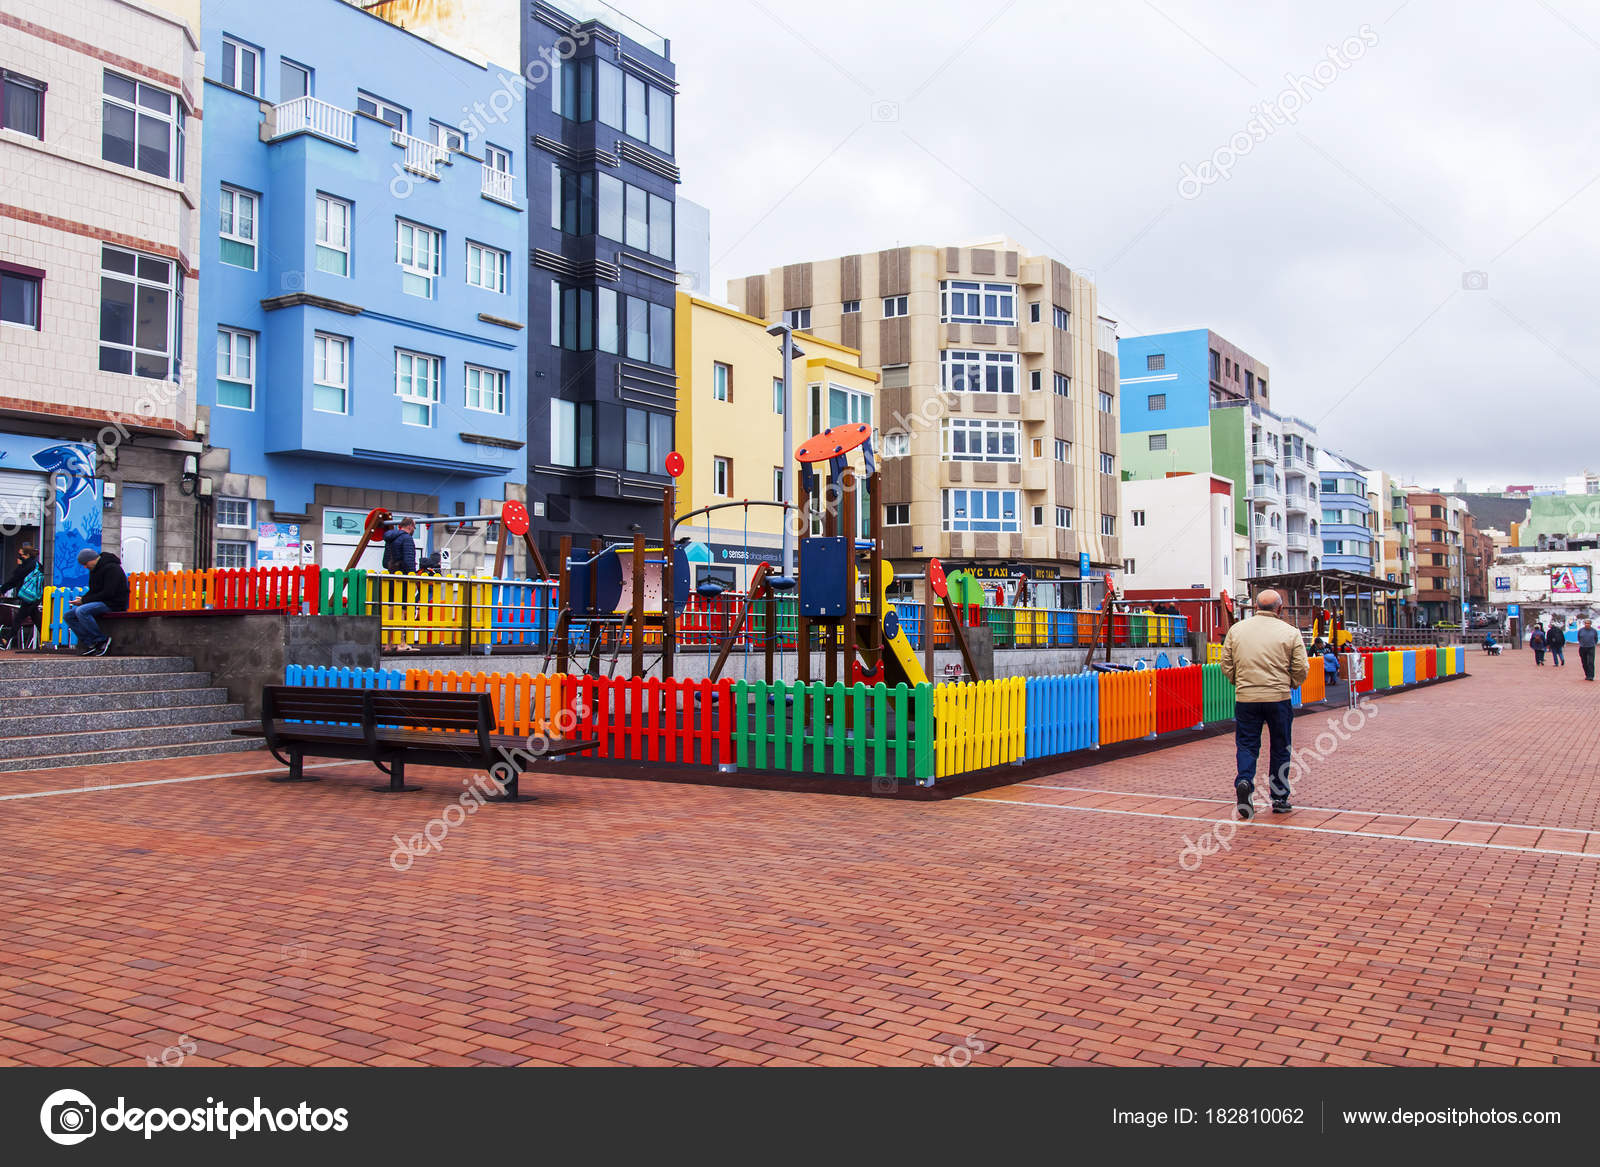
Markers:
(162, 781)
(1144, 814)
(1388, 814)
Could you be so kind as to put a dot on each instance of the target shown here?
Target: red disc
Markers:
(936, 579)
(377, 517)
(515, 516)
(831, 442)
(675, 464)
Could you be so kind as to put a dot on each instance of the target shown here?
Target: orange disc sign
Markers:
(675, 464)
(377, 519)
(515, 516)
(936, 579)
(832, 442)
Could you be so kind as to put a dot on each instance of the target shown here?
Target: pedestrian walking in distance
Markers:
(1265, 658)
(1556, 641)
(1536, 642)
(1587, 638)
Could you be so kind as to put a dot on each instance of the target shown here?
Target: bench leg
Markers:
(397, 779)
(296, 770)
(513, 790)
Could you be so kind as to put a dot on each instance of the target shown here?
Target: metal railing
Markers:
(422, 156)
(497, 184)
(318, 117)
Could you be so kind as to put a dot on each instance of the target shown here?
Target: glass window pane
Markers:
(116, 134)
(606, 338)
(638, 226)
(120, 87)
(154, 145)
(610, 197)
(660, 226)
(116, 311)
(660, 441)
(608, 81)
(661, 120)
(638, 329)
(637, 113)
(661, 335)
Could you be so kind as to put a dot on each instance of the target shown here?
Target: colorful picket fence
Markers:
(1127, 705)
(1315, 687)
(434, 610)
(53, 615)
(650, 720)
(323, 677)
(839, 730)
(524, 703)
(265, 589)
(1179, 698)
(978, 724)
(1216, 694)
(1061, 714)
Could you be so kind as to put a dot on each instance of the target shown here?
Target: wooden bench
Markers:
(390, 729)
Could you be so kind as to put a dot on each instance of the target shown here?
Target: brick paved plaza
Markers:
(1431, 903)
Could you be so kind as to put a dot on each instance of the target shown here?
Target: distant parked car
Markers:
(1484, 620)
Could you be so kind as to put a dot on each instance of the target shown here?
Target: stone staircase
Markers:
(81, 711)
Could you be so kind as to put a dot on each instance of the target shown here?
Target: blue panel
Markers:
(824, 578)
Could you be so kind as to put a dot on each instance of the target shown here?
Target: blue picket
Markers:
(1061, 714)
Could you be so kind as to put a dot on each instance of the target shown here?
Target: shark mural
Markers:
(69, 470)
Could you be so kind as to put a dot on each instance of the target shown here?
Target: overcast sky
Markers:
(1452, 138)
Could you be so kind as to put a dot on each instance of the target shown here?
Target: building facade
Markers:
(1395, 527)
(363, 325)
(1438, 519)
(998, 404)
(1178, 537)
(1347, 515)
(99, 259)
(730, 429)
(1196, 403)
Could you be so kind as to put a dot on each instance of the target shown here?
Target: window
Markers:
(1063, 387)
(141, 126)
(1108, 464)
(417, 252)
(851, 307)
(798, 318)
(447, 137)
(1035, 380)
(897, 444)
(333, 235)
(1216, 365)
(661, 336)
(844, 407)
(1108, 524)
(967, 302)
(897, 515)
(660, 227)
(138, 323)
(236, 369)
(1138, 518)
(638, 328)
(486, 389)
(980, 510)
(721, 381)
(971, 439)
(609, 203)
(20, 295)
(1063, 450)
(486, 267)
(608, 95)
(1064, 518)
(647, 439)
(1249, 384)
(1037, 517)
(496, 158)
(1155, 362)
(238, 228)
(571, 433)
(383, 110)
(1061, 318)
(234, 512)
(636, 213)
(635, 107)
(1128, 567)
(293, 80)
(1034, 310)
(330, 373)
(1156, 402)
(777, 395)
(661, 119)
(1107, 404)
(722, 477)
(241, 66)
(777, 484)
(232, 553)
(977, 372)
(895, 306)
(22, 104)
(416, 383)
(1037, 450)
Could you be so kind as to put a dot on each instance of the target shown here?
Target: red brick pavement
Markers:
(652, 924)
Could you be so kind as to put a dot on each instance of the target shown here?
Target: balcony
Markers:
(1265, 493)
(1035, 338)
(1298, 541)
(310, 115)
(1294, 463)
(422, 156)
(1263, 452)
(497, 185)
(1297, 500)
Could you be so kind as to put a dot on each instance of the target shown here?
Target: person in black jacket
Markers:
(400, 547)
(107, 592)
(27, 609)
(1555, 640)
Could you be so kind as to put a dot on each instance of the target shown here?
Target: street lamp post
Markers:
(785, 335)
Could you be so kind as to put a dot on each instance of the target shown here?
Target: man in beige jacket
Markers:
(1265, 658)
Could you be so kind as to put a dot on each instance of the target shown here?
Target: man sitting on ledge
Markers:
(107, 592)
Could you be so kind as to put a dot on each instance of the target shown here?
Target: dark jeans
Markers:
(81, 619)
(1538, 656)
(1558, 655)
(1586, 655)
(1278, 717)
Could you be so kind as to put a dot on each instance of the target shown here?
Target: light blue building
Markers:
(363, 282)
(1347, 534)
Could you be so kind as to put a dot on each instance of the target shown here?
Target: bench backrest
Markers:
(461, 712)
(373, 710)
(303, 703)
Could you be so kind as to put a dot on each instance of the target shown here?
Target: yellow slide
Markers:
(900, 662)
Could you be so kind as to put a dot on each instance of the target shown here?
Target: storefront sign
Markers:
(277, 544)
(1569, 581)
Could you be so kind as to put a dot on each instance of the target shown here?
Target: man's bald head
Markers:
(1268, 601)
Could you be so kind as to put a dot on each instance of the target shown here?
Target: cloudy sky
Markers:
(1443, 139)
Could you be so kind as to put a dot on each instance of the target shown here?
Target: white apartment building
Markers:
(99, 239)
(1178, 537)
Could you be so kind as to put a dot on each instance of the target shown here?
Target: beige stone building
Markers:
(997, 411)
(99, 233)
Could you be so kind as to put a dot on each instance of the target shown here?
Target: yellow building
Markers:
(730, 426)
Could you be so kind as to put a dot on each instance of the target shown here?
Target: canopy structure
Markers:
(1354, 595)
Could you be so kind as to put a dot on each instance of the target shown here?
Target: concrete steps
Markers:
(79, 711)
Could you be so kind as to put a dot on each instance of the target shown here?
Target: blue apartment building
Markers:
(1347, 521)
(602, 285)
(364, 310)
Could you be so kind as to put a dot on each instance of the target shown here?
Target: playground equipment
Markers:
(1328, 627)
(512, 521)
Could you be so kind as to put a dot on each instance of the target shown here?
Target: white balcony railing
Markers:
(1296, 500)
(1265, 492)
(497, 185)
(1264, 451)
(422, 156)
(1297, 541)
(318, 117)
